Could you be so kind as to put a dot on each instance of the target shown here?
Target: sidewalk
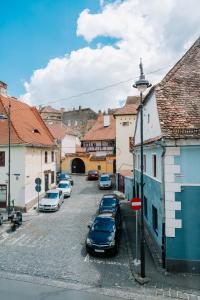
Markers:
(185, 286)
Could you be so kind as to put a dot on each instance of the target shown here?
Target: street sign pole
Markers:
(38, 202)
(136, 260)
(136, 205)
(38, 183)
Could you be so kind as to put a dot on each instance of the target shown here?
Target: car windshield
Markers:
(51, 195)
(63, 185)
(103, 225)
(108, 202)
(105, 178)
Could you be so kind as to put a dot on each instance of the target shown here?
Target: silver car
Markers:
(65, 187)
(51, 201)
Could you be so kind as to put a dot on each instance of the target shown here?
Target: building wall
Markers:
(152, 189)
(128, 182)
(151, 121)
(182, 209)
(106, 165)
(35, 166)
(124, 158)
(17, 167)
(69, 144)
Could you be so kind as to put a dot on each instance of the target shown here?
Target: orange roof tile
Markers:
(27, 127)
(100, 133)
(129, 109)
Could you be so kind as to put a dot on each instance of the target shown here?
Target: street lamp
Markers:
(2, 118)
(142, 84)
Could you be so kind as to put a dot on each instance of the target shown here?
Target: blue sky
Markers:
(34, 31)
(51, 50)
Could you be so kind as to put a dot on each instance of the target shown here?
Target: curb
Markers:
(164, 292)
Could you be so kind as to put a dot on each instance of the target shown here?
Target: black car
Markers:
(109, 203)
(104, 235)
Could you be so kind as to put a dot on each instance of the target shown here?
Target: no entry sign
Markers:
(136, 203)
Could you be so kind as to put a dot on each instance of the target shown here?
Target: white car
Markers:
(51, 201)
(65, 187)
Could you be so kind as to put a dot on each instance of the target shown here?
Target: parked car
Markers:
(65, 187)
(51, 201)
(105, 181)
(109, 203)
(93, 175)
(1, 219)
(64, 176)
(104, 235)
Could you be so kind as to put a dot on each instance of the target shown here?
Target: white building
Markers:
(33, 153)
(125, 128)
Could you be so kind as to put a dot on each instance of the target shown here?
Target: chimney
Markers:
(3, 88)
(106, 120)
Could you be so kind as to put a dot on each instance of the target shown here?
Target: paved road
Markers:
(53, 245)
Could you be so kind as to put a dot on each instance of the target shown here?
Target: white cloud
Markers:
(158, 31)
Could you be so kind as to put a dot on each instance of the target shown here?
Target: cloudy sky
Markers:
(86, 52)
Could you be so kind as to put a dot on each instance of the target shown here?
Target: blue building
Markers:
(172, 164)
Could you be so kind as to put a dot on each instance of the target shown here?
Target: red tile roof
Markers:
(27, 127)
(178, 97)
(100, 133)
(128, 109)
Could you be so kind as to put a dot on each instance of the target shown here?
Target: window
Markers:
(148, 118)
(99, 167)
(125, 123)
(52, 156)
(2, 158)
(52, 177)
(94, 145)
(45, 157)
(154, 165)
(144, 163)
(145, 208)
(155, 219)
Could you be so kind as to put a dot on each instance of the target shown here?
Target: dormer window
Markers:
(35, 130)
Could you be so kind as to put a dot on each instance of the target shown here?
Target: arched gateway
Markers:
(78, 166)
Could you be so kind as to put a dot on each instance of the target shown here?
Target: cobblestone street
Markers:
(53, 244)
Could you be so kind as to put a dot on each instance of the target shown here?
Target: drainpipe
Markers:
(163, 247)
(163, 206)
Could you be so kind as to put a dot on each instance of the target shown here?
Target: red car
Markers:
(93, 175)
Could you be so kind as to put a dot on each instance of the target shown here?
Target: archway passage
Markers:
(78, 166)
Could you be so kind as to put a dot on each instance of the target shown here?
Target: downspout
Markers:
(163, 207)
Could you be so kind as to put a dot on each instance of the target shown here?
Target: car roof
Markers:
(105, 216)
(64, 181)
(109, 196)
(52, 191)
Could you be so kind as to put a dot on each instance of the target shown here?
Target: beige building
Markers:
(125, 127)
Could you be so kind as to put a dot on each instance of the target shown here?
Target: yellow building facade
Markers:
(82, 163)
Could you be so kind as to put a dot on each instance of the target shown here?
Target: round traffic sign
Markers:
(38, 180)
(38, 188)
(136, 203)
